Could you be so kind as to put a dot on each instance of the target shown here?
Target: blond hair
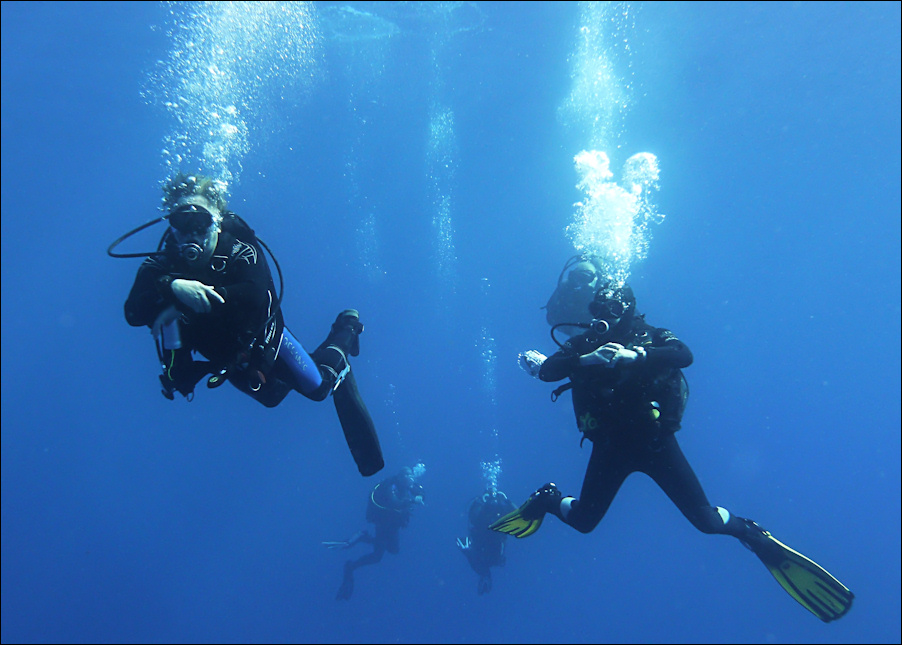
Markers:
(182, 185)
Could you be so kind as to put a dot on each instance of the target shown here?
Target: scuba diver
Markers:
(629, 394)
(389, 508)
(484, 548)
(576, 286)
(208, 289)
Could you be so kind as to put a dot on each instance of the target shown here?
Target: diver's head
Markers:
(612, 305)
(195, 229)
(195, 207)
(568, 305)
(181, 186)
(583, 276)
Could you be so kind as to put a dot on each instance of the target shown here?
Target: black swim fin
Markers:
(358, 427)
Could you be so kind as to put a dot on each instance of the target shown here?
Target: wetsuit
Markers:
(630, 413)
(485, 547)
(242, 336)
(245, 339)
(389, 508)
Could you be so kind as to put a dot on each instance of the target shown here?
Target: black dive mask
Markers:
(190, 219)
(607, 312)
(607, 308)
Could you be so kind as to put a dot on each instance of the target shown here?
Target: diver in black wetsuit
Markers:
(389, 508)
(209, 290)
(629, 395)
(483, 548)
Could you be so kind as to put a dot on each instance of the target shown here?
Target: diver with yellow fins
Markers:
(629, 394)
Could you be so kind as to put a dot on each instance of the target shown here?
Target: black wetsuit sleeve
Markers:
(667, 350)
(563, 363)
(150, 294)
(559, 366)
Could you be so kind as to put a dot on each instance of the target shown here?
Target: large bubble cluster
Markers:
(228, 66)
(612, 220)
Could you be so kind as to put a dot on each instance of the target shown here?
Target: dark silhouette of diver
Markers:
(388, 508)
(629, 394)
(208, 289)
(482, 547)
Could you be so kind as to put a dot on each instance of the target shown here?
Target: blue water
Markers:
(416, 162)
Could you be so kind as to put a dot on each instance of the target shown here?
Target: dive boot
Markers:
(346, 331)
(527, 519)
(332, 355)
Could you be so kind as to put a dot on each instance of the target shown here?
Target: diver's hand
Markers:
(166, 316)
(195, 295)
(336, 545)
(463, 546)
(531, 362)
(610, 354)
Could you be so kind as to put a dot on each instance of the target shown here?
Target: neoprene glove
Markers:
(531, 362)
(195, 295)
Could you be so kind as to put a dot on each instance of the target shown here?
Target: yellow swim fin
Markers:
(515, 524)
(527, 519)
(802, 578)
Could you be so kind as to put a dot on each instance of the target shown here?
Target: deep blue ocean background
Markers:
(130, 518)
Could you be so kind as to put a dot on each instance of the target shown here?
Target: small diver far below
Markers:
(389, 507)
(483, 548)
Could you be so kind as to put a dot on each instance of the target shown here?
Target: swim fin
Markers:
(527, 519)
(803, 579)
(358, 428)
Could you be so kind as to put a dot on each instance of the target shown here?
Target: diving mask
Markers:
(190, 218)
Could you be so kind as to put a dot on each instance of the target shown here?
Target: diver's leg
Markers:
(605, 474)
(331, 357)
(327, 371)
(670, 469)
(317, 375)
(368, 559)
(807, 582)
(297, 366)
(347, 583)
